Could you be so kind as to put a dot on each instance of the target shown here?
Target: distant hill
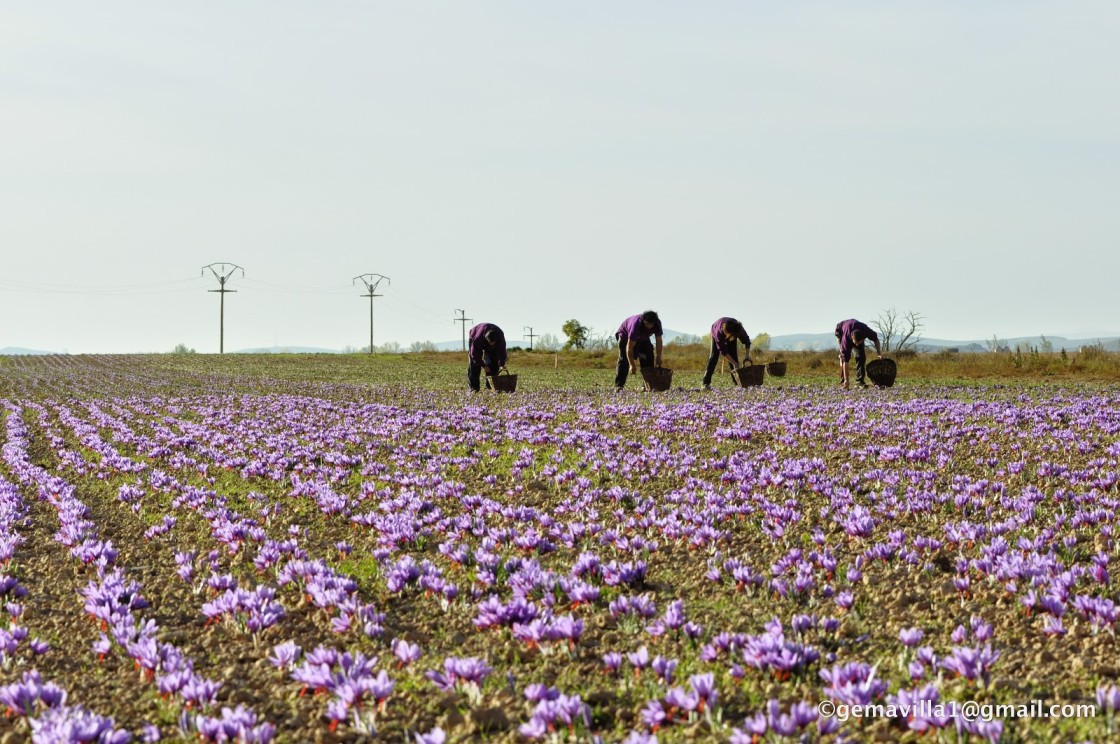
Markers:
(19, 351)
(825, 341)
(457, 345)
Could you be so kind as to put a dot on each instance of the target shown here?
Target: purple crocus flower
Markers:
(639, 659)
(664, 668)
(406, 653)
(703, 685)
(435, 736)
(284, 654)
(910, 637)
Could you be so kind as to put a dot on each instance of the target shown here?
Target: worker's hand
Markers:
(487, 371)
(748, 360)
(658, 365)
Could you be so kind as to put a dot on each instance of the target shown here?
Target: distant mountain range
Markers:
(20, 351)
(825, 341)
(288, 350)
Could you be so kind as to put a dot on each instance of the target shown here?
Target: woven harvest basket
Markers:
(749, 375)
(776, 369)
(504, 383)
(882, 372)
(658, 379)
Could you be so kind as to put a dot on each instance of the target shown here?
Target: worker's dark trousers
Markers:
(643, 351)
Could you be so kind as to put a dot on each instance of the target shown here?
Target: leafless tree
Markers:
(996, 344)
(548, 342)
(599, 341)
(899, 332)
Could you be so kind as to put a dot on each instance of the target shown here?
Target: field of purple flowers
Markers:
(228, 557)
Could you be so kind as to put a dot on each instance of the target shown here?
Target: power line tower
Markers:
(371, 281)
(531, 335)
(464, 320)
(222, 273)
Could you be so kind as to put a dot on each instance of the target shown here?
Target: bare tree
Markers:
(599, 341)
(913, 323)
(548, 342)
(996, 344)
(899, 332)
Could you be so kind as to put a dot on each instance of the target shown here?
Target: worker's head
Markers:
(650, 319)
(732, 330)
(491, 337)
(857, 337)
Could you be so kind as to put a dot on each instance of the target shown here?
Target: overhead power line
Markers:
(121, 290)
(275, 288)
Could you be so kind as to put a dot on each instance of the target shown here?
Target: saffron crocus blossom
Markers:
(910, 637)
(664, 668)
(460, 672)
(435, 736)
(406, 653)
(1108, 698)
(922, 706)
(284, 654)
(553, 711)
(971, 663)
(639, 659)
(64, 723)
(703, 685)
(853, 683)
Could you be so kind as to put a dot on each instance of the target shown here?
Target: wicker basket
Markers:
(882, 372)
(776, 369)
(749, 375)
(658, 379)
(504, 383)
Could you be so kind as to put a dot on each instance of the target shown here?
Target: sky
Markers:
(789, 164)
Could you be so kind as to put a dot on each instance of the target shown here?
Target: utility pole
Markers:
(464, 320)
(222, 273)
(531, 335)
(371, 281)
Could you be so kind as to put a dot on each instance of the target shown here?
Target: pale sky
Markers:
(790, 164)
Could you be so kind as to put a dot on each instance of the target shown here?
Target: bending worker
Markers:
(486, 351)
(634, 346)
(850, 334)
(726, 334)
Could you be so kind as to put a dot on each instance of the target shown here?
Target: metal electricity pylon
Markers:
(530, 335)
(371, 281)
(222, 273)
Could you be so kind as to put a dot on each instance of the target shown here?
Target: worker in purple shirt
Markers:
(726, 335)
(634, 346)
(486, 351)
(851, 334)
